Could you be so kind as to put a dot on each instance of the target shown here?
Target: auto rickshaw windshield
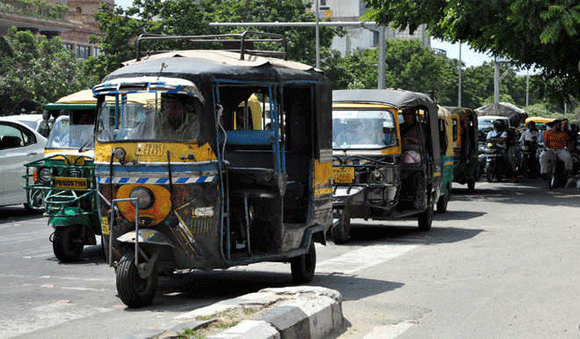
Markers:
(363, 129)
(149, 115)
(66, 135)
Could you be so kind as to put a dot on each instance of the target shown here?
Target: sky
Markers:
(469, 57)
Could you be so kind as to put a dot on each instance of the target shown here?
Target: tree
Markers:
(408, 65)
(37, 71)
(186, 17)
(542, 33)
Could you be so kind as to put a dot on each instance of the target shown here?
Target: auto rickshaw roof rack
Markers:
(242, 43)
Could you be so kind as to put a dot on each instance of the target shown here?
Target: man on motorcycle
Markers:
(556, 140)
(499, 135)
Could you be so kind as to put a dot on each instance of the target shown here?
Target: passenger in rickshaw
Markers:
(411, 136)
(178, 119)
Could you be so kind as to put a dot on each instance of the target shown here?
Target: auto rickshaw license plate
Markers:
(70, 183)
(343, 175)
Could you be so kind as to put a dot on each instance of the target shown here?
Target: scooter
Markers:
(556, 170)
(529, 161)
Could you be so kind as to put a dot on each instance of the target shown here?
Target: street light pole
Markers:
(459, 74)
(317, 35)
(381, 84)
(496, 82)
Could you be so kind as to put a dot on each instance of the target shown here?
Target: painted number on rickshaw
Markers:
(105, 225)
(343, 175)
(150, 149)
(70, 183)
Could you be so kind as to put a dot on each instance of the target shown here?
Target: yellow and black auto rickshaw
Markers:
(193, 179)
(465, 143)
(386, 157)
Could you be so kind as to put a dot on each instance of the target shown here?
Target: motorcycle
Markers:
(495, 164)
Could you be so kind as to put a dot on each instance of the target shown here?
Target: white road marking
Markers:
(363, 258)
(46, 316)
(388, 331)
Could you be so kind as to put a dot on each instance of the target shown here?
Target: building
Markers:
(361, 37)
(72, 20)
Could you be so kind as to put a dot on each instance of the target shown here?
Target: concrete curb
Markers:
(291, 312)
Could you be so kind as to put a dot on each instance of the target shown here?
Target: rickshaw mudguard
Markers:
(146, 236)
(342, 194)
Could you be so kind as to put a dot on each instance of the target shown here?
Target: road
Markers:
(501, 263)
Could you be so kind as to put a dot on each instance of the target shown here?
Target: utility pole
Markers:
(317, 35)
(381, 61)
(459, 74)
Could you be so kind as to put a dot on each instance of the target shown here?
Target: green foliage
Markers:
(541, 33)
(186, 17)
(35, 8)
(39, 71)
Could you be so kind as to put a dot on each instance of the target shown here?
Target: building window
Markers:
(322, 2)
(83, 52)
(96, 51)
(70, 47)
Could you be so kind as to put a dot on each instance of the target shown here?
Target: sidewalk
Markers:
(304, 312)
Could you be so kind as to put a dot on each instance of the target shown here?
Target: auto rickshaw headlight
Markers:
(74, 172)
(119, 153)
(144, 196)
(44, 174)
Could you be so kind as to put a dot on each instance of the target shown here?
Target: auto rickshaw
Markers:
(465, 144)
(193, 179)
(66, 175)
(446, 147)
(379, 172)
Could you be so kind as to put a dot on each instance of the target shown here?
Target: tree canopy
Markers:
(34, 71)
(532, 33)
(186, 17)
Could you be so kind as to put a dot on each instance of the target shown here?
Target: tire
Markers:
(426, 219)
(67, 243)
(471, 185)
(341, 231)
(444, 200)
(489, 169)
(105, 247)
(134, 291)
(303, 266)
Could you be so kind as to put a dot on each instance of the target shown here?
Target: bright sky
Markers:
(469, 57)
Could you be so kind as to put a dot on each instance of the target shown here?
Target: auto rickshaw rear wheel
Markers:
(471, 185)
(426, 218)
(303, 266)
(133, 290)
(67, 243)
(341, 230)
(444, 200)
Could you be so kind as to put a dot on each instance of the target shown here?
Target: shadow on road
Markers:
(14, 213)
(203, 288)
(527, 191)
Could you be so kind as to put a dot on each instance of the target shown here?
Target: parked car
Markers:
(19, 144)
(34, 121)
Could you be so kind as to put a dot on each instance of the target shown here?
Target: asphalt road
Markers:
(501, 263)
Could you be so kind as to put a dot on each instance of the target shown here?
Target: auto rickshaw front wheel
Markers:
(303, 266)
(426, 218)
(134, 290)
(67, 243)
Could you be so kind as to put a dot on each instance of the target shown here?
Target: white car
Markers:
(19, 144)
(34, 121)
